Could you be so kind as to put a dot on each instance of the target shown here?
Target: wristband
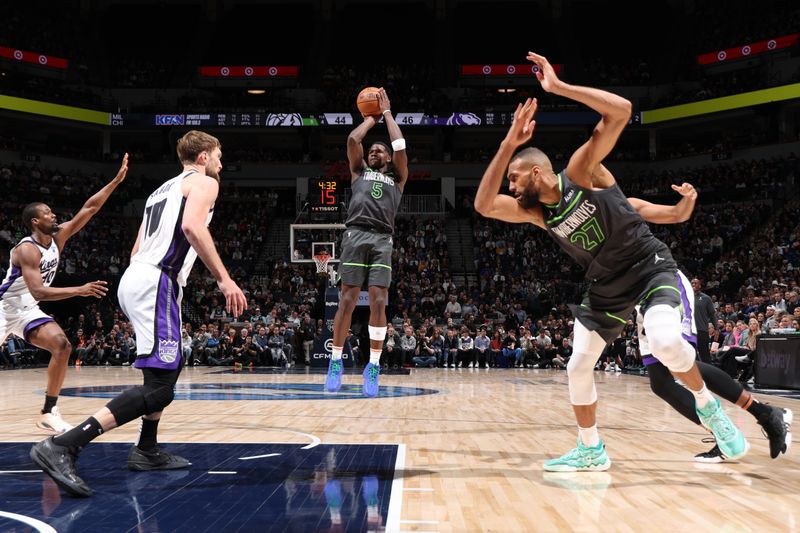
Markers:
(398, 144)
(386, 111)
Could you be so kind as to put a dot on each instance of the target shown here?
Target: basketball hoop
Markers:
(322, 263)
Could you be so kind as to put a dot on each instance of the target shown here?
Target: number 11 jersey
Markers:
(163, 244)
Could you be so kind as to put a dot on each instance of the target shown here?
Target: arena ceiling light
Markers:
(506, 90)
(256, 91)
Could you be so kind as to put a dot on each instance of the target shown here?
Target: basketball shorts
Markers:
(151, 300)
(366, 258)
(654, 280)
(20, 321)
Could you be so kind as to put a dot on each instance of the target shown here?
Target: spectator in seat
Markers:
(261, 344)
(563, 353)
(427, 354)
(276, 343)
(496, 358)
(453, 308)
(512, 353)
(482, 343)
(408, 346)
(450, 349)
(392, 354)
(247, 355)
(466, 349)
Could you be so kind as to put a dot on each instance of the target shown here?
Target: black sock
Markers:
(148, 434)
(757, 409)
(80, 435)
(49, 403)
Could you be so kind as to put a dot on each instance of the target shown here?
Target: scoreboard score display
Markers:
(324, 194)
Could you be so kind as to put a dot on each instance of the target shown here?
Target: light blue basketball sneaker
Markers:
(730, 440)
(581, 459)
(334, 380)
(371, 374)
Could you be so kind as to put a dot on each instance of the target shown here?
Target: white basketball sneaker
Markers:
(52, 422)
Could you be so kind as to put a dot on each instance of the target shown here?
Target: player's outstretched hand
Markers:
(98, 289)
(546, 75)
(686, 189)
(235, 302)
(123, 169)
(521, 129)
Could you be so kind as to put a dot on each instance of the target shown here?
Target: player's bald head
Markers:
(533, 156)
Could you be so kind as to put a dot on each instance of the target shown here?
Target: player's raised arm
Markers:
(615, 111)
(91, 207)
(488, 200)
(399, 155)
(355, 148)
(668, 214)
(201, 197)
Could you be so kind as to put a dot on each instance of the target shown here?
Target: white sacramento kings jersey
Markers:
(13, 290)
(164, 244)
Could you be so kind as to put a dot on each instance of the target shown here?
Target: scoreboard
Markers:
(260, 120)
(325, 196)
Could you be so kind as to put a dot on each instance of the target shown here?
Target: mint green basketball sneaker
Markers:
(581, 459)
(730, 440)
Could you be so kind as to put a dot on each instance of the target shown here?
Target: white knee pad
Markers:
(644, 344)
(587, 347)
(377, 333)
(662, 324)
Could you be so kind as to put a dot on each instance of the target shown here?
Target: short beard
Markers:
(528, 199)
(213, 173)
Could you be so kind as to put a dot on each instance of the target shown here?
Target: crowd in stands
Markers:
(742, 242)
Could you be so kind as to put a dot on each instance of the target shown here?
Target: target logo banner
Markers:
(35, 58)
(747, 50)
(250, 71)
(524, 69)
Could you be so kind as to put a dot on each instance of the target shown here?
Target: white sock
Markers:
(589, 436)
(703, 396)
(375, 356)
(336, 352)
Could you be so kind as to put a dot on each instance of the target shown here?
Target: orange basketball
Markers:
(367, 102)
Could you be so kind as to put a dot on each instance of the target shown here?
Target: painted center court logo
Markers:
(167, 350)
(254, 391)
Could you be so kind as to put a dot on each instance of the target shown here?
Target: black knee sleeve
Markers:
(152, 397)
(128, 405)
(157, 398)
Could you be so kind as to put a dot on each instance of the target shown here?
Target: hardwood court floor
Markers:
(474, 450)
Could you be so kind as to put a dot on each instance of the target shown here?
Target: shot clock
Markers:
(324, 196)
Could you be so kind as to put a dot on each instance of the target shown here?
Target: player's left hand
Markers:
(383, 101)
(686, 190)
(546, 74)
(521, 129)
(123, 169)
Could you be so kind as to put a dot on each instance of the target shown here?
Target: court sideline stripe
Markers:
(396, 499)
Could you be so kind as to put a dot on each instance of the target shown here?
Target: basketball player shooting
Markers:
(366, 258)
(33, 265)
(583, 209)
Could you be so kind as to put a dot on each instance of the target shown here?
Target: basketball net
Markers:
(322, 263)
(326, 269)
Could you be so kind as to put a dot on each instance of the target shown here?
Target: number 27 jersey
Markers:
(163, 244)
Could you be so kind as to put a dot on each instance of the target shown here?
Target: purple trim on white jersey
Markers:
(166, 351)
(179, 247)
(16, 272)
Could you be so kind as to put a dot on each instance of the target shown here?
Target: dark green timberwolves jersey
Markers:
(374, 201)
(600, 229)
